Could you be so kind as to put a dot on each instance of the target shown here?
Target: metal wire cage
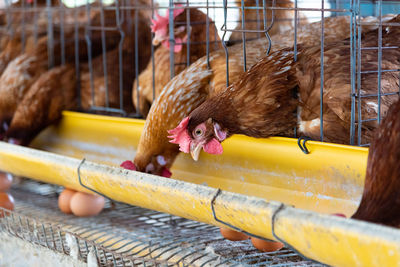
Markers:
(124, 235)
(110, 44)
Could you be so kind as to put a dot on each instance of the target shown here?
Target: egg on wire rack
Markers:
(85, 205)
(5, 181)
(7, 202)
(266, 246)
(232, 234)
(64, 200)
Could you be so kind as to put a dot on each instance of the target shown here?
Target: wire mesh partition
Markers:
(124, 235)
(123, 53)
(117, 57)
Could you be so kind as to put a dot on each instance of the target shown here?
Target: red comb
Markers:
(129, 165)
(180, 136)
(160, 23)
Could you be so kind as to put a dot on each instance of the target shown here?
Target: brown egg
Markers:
(5, 181)
(64, 200)
(266, 246)
(232, 234)
(84, 204)
(7, 202)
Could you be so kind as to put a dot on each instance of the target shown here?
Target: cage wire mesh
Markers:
(118, 60)
(124, 235)
(110, 46)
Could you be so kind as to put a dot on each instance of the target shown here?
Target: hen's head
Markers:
(193, 136)
(160, 27)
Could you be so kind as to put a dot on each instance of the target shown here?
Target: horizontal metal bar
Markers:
(100, 28)
(377, 23)
(376, 47)
(368, 120)
(376, 71)
(375, 95)
(268, 219)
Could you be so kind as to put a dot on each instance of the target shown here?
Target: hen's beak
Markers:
(158, 39)
(195, 151)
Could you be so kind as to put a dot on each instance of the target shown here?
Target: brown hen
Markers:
(380, 200)
(53, 92)
(24, 70)
(143, 96)
(263, 102)
(194, 85)
(22, 76)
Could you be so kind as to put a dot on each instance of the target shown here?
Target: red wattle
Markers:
(213, 147)
(129, 165)
(166, 173)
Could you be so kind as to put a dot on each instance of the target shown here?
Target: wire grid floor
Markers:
(124, 235)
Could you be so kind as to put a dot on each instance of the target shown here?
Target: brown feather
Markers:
(188, 90)
(162, 74)
(380, 202)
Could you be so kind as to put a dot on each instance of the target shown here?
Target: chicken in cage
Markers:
(283, 96)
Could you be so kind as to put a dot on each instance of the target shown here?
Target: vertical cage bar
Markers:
(244, 36)
(321, 110)
(77, 65)
(35, 19)
(188, 32)
(208, 34)
(137, 49)
(258, 18)
(50, 35)
(89, 50)
(268, 27)
(120, 54)
(359, 117)
(171, 39)
(352, 70)
(23, 28)
(153, 81)
(104, 53)
(62, 37)
(225, 2)
(9, 17)
(379, 59)
(295, 30)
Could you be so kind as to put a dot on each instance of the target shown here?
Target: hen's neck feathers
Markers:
(260, 104)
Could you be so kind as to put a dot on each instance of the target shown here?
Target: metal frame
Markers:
(355, 8)
(139, 238)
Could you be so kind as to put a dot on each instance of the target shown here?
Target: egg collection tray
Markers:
(124, 235)
(266, 187)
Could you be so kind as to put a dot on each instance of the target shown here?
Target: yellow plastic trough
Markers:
(329, 179)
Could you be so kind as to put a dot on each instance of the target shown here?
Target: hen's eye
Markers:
(198, 132)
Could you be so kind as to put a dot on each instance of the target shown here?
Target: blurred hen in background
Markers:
(192, 29)
(29, 72)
